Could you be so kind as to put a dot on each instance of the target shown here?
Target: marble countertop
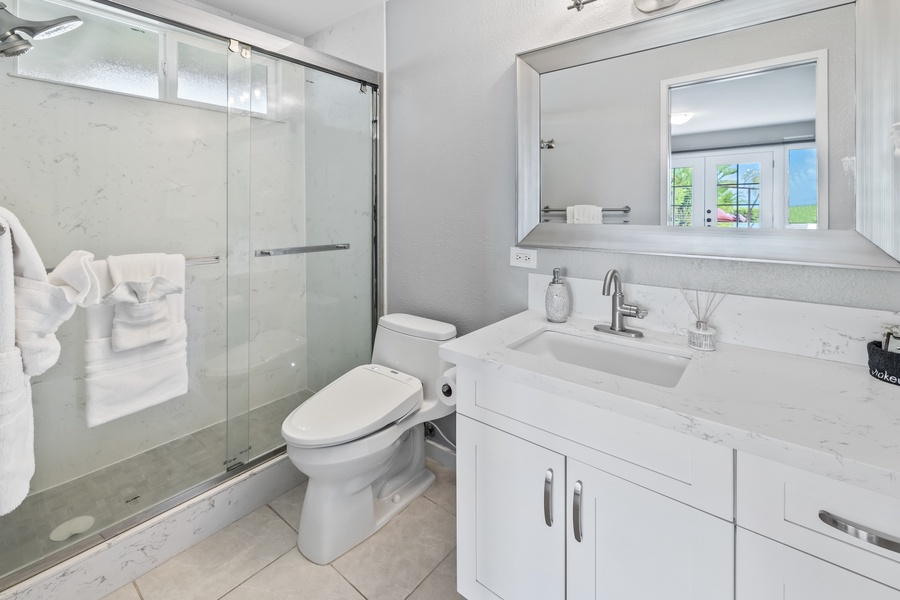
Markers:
(826, 417)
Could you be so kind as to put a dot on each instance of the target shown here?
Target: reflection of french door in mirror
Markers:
(777, 187)
(726, 190)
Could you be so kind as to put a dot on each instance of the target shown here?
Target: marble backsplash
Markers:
(837, 333)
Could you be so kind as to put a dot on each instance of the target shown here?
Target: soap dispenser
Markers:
(557, 300)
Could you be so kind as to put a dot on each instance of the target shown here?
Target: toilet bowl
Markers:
(360, 440)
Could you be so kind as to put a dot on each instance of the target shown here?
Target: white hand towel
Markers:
(570, 214)
(75, 276)
(586, 213)
(141, 283)
(120, 383)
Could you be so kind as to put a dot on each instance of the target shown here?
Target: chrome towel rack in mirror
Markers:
(548, 212)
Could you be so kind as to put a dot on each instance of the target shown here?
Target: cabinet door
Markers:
(628, 543)
(768, 570)
(511, 520)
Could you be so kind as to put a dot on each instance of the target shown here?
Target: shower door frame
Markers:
(187, 17)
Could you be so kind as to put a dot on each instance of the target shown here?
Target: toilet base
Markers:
(336, 516)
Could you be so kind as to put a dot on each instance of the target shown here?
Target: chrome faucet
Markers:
(620, 310)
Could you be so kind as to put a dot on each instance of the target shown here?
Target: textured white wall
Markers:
(452, 172)
(358, 39)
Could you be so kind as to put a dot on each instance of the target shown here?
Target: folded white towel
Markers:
(123, 383)
(584, 213)
(75, 276)
(119, 383)
(141, 283)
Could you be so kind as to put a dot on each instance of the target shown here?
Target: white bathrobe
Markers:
(31, 310)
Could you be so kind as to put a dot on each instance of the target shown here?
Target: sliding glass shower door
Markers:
(135, 136)
(300, 274)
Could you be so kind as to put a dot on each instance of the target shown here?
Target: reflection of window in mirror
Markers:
(742, 146)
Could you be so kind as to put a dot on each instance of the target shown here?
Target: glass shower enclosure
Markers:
(139, 135)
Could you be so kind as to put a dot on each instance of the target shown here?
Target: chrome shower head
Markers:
(14, 45)
(11, 25)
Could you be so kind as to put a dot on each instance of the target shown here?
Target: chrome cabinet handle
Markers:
(576, 511)
(882, 540)
(548, 498)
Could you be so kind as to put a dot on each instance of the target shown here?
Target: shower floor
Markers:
(126, 488)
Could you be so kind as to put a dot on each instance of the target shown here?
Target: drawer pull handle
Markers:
(882, 540)
(576, 511)
(548, 498)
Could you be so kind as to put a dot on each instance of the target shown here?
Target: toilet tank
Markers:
(410, 344)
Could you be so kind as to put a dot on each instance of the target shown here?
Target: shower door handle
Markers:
(301, 250)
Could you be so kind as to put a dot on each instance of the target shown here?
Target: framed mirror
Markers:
(762, 168)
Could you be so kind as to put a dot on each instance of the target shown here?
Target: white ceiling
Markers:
(301, 18)
(774, 97)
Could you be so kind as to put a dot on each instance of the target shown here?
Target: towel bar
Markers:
(624, 209)
(301, 250)
(189, 261)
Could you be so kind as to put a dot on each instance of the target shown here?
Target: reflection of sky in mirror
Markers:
(803, 177)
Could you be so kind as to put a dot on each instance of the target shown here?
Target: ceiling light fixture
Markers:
(649, 6)
(680, 118)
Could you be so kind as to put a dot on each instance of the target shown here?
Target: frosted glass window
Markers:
(203, 77)
(102, 53)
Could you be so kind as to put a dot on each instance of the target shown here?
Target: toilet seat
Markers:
(366, 399)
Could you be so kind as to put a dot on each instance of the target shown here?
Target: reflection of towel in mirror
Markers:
(141, 283)
(584, 213)
(122, 382)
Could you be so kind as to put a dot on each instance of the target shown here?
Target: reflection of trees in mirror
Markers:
(681, 206)
(737, 195)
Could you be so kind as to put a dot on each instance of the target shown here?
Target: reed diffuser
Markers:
(702, 336)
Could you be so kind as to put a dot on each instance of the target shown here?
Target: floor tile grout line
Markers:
(439, 506)
(281, 516)
(137, 589)
(350, 583)
(430, 573)
(255, 573)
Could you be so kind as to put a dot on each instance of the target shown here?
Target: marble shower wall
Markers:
(115, 174)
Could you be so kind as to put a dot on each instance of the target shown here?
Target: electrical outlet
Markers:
(521, 257)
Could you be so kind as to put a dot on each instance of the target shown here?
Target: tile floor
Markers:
(411, 558)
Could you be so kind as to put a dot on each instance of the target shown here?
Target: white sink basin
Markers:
(650, 365)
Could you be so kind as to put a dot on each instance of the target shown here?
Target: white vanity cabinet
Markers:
(546, 512)
(768, 570)
(802, 536)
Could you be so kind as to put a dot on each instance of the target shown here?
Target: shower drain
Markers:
(71, 527)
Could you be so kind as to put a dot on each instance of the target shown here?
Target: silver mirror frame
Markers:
(831, 248)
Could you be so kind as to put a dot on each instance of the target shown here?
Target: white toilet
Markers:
(361, 440)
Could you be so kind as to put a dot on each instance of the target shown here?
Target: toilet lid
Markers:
(358, 403)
